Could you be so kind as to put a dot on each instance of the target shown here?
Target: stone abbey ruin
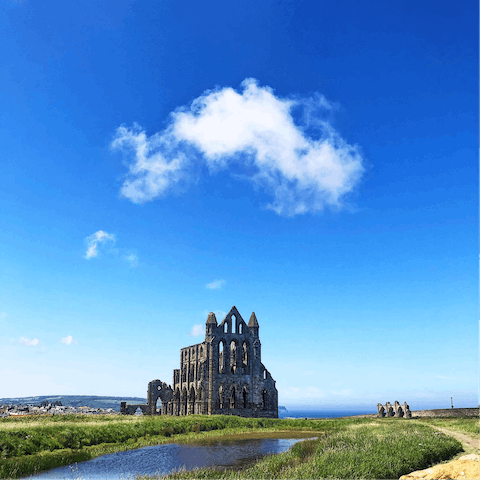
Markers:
(223, 375)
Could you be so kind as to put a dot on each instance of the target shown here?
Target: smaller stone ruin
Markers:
(396, 410)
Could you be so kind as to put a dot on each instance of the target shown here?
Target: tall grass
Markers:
(346, 447)
(386, 449)
(34, 444)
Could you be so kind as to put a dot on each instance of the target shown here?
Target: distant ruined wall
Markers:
(395, 410)
(447, 412)
(441, 412)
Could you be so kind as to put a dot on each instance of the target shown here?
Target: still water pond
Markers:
(163, 459)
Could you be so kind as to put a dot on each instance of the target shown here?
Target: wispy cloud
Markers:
(97, 239)
(305, 392)
(132, 259)
(27, 342)
(215, 285)
(68, 340)
(197, 330)
(297, 156)
(219, 314)
(342, 393)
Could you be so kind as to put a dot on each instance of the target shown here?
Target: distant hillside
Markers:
(92, 401)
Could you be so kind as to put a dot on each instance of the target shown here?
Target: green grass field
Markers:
(345, 448)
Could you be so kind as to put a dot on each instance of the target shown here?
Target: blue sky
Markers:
(314, 162)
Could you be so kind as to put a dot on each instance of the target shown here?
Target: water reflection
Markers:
(163, 459)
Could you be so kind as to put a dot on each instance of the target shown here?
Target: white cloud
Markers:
(197, 330)
(98, 238)
(27, 342)
(68, 340)
(219, 314)
(313, 392)
(215, 285)
(132, 259)
(305, 166)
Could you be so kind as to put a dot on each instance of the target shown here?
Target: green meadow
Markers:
(344, 448)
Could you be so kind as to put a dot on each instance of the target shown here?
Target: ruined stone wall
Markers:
(222, 375)
(239, 383)
(447, 412)
(189, 381)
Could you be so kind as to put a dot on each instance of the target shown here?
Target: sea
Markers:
(322, 413)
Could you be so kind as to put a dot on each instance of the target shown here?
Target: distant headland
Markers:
(92, 401)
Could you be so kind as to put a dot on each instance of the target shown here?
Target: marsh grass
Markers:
(345, 448)
(34, 444)
(368, 450)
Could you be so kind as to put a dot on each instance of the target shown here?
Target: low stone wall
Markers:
(447, 412)
(439, 412)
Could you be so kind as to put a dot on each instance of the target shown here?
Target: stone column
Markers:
(406, 411)
(398, 409)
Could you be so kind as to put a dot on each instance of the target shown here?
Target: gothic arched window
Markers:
(221, 357)
(264, 399)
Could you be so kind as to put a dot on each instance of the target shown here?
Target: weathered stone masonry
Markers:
(396, 411)
(222, 375)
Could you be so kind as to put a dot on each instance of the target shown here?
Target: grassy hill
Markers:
(92, 401)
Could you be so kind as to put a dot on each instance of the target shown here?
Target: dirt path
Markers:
(470, 444)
